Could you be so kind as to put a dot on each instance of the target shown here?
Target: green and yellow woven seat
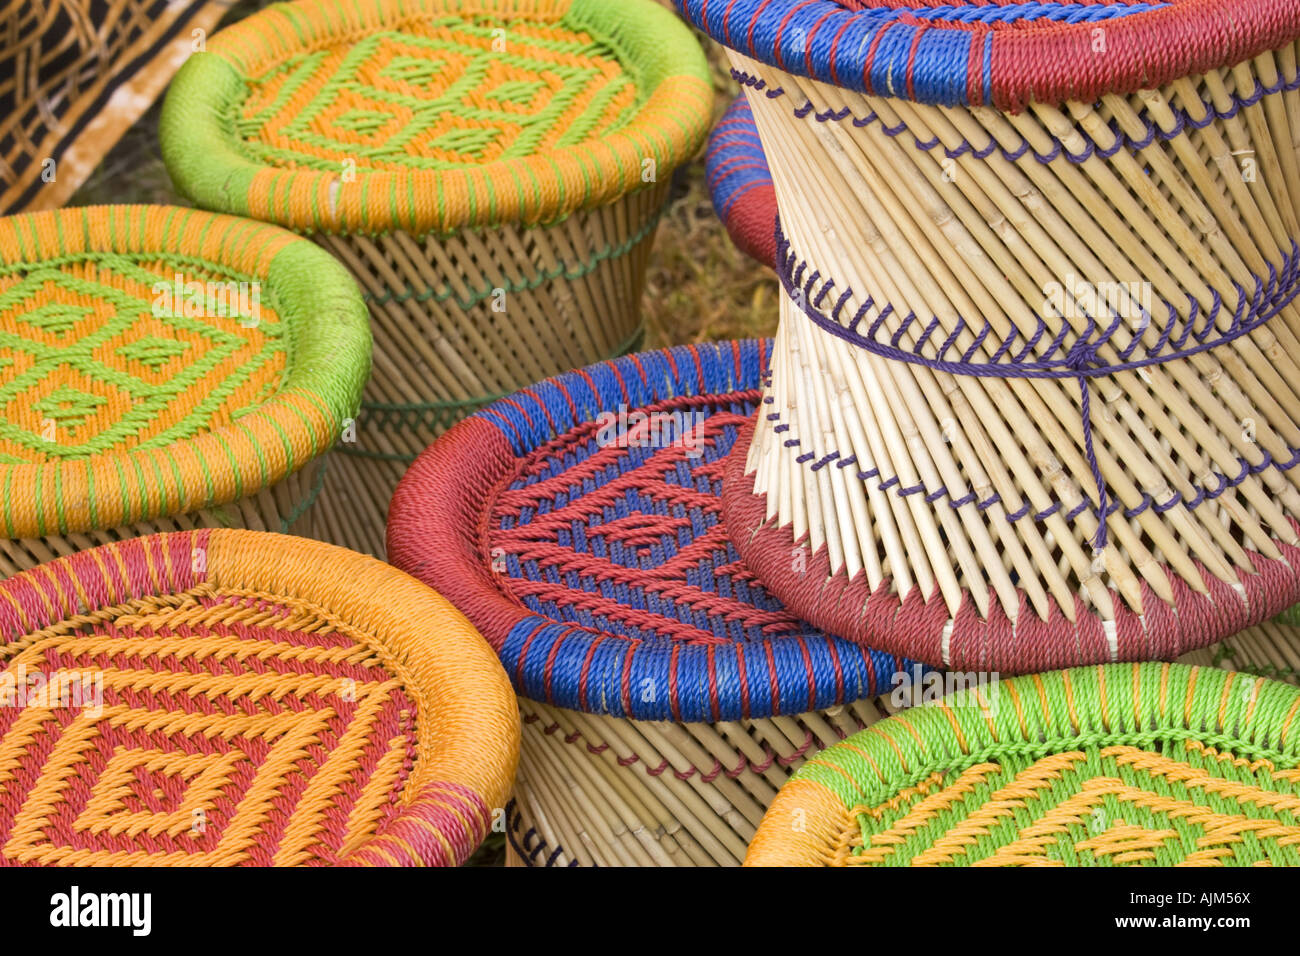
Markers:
(492, 173)
(1116, 765)
(166, 369)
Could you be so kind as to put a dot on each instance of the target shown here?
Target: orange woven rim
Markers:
(317, 706)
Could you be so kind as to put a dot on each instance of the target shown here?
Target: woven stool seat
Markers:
(1035, 395)
(163, 369)
(740, 184)
(1117, 765)
(240, 698)
(665, 694)
(77, 75)
(492, 173)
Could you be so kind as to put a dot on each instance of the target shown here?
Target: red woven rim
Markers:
(972, 54)
(914, 627)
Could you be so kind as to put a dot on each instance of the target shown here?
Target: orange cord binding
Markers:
(241, 698)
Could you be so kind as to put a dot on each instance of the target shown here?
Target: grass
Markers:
(699, 287)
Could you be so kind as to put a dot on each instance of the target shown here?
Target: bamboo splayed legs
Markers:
(955, 233)
(463, 319)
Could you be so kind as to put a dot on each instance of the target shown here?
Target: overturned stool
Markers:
(1034, 398)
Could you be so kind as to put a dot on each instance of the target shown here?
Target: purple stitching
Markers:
(1081, 361)
(1182, 121)
(1112, 507)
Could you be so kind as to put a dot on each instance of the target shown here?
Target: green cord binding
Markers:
(437, 417)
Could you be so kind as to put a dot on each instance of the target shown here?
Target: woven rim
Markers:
(73, 59)
(328, 346)
(917, 625)
(438, 531)
(203, 151)
(740, 184)
(1042, 715)
(468, 726)
(1005, 53)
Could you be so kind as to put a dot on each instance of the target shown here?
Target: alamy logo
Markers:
(1077, 299)
(634, 428)
(198, 300)
(924, 688)
(74, 909)
(83, 690)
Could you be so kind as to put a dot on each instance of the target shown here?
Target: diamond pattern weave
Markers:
(231, 728)
(98, 354)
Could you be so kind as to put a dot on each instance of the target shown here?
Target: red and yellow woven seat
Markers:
(163, 369)
(492, 173)
(666, 695)
(1116, 765)
(234, 698)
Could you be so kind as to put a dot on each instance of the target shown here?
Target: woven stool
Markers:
(1271, 649)
(1116, 765)
(741, 187)
(77, 75)
(1035, 399)
(740, 184)
(492, 174)
(665, 695)
(240, 698)
(164, 369)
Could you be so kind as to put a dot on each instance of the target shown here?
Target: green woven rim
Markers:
(210, 163)
(326, 343)
(1157, 708)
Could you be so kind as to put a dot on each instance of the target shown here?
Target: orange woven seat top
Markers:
(435, 115)
(241, 698)
(155, 361)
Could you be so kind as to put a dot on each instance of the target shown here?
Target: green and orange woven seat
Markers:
(666, 695)
(165, 368)
(229, 698)
(492, 172)
(1115, 765)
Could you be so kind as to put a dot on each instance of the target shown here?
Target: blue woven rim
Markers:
(1000, 52)
(609, 668)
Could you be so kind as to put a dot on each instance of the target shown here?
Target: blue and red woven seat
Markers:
(1001, 53)
(666, 695)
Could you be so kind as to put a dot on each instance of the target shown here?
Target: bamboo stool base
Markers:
(462, 320)
(285, 507)
(949, 513)
(595, 790)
